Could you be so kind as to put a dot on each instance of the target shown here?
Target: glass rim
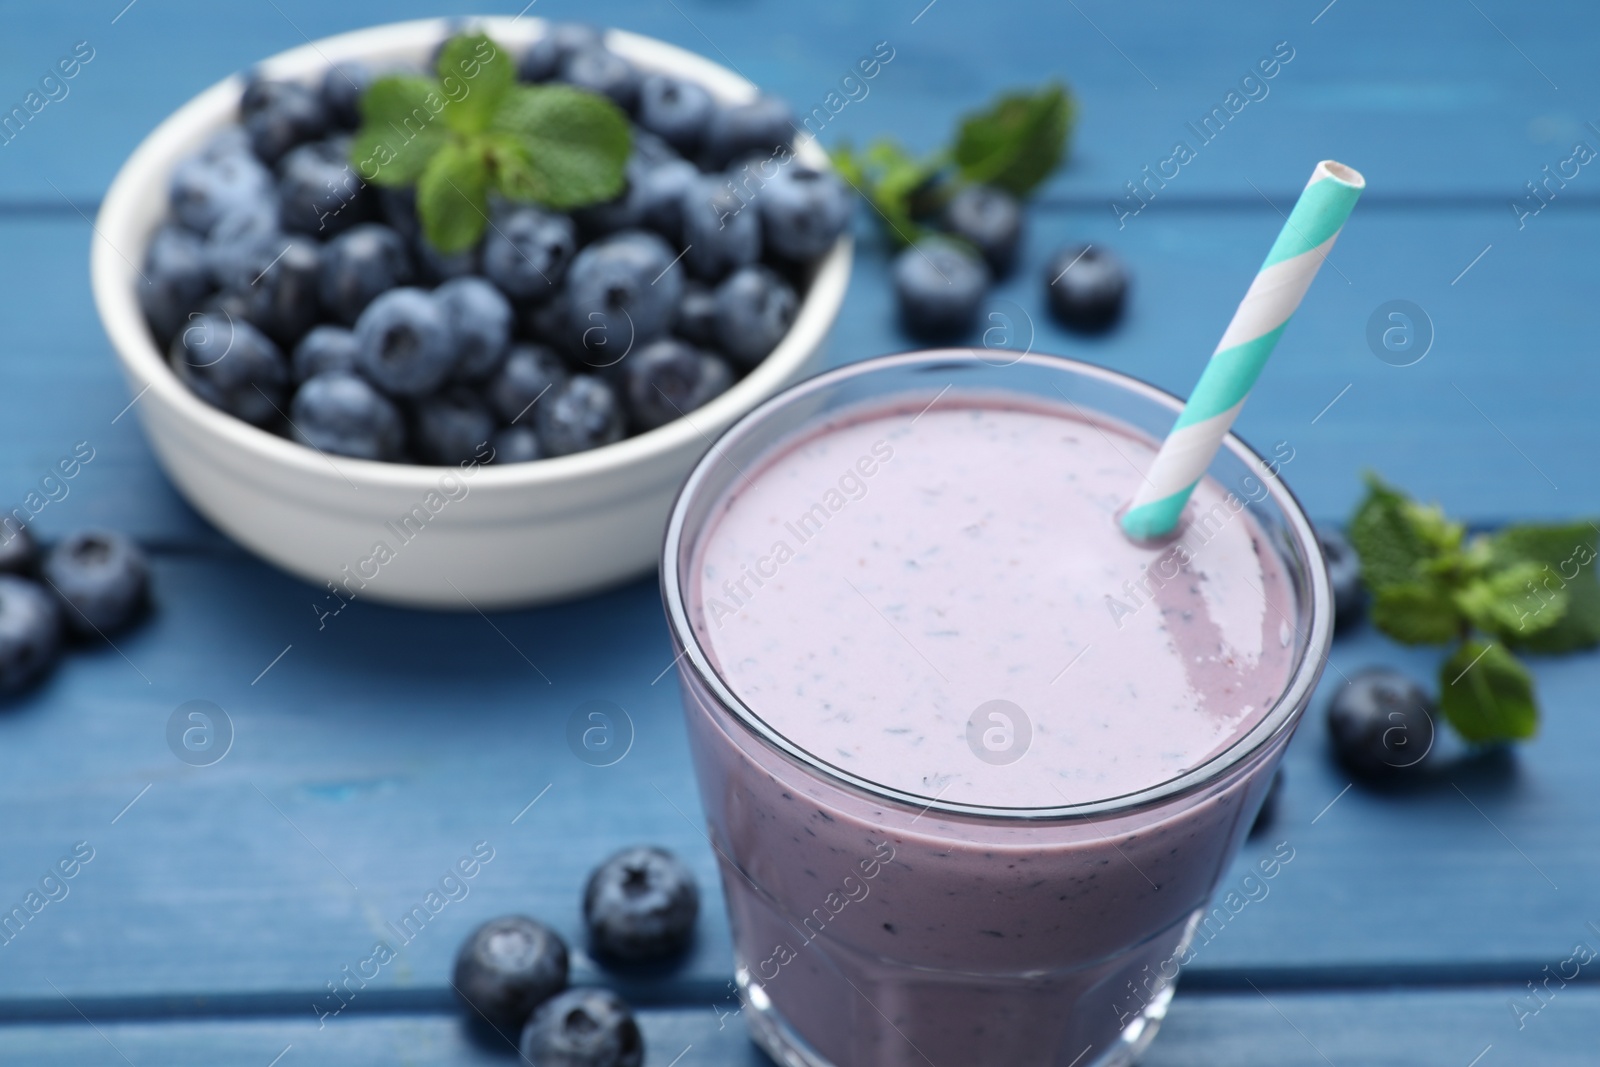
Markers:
(1280, 718)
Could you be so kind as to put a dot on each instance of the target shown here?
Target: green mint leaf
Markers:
(452, 197)
(1564, 559)
(1398, 538)
(475, 75)
(511, 165)
(1487, 695)
(889, 178)
(402, 127)
(1503, 604)
(1417, 613)
(577, 143)
(1017, 141)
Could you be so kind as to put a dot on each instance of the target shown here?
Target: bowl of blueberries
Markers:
(441, 313)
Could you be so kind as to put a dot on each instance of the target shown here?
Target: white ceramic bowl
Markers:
(519, 534)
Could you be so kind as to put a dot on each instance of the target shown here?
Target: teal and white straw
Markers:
(1282, 281)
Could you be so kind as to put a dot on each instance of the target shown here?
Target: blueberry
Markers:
(320, 192)
(550, 322)
(1269, 805)
(30, 633)
(660, 190)
(340, 412)
(324, 349)
(990, 220)
(1344, 574)
(102, 579)
(938, 285)
(451, 426)
(436, 267)
(359, 265)
(231, 365)
(398, 209)
(675, 110)
(1381, 724)
(755, 308)
(652, 149)
(600, 70)
(622, 212)
(578, 414)
(1086, 287)
(542, 61)
(803, 211)
(218, 179)
(405, 345)
(527, 374)
(622, 291)
(342, 88)
(508, 967)
(279, 116)
(527, 252)
(583, 1028)
(669, 378)
(720, 234)
(237, 239)
(480, 318)
(641, 904)
(176, 280)
(697, 315)
(516, 444)
(283, 295)
(19, 552)
(764, 126)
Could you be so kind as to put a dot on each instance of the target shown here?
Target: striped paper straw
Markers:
(1224, 385)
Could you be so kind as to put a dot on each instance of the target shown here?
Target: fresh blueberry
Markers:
(480, 318)
(30, 633)
(755, 308)
(720, 234)
(697, 315)
(436, 267)
(324, 349)
(803, 211)
(550, 323)
(622, 212)
(1344, 574)
(526, 375)
(661, 191)
(990, 220)
(283, 295)
(622, 291)
(279, 116)
(398, 209)
(237, 238)
(217, 179)
(508, 967)
(652, 149)
(669, 378)
(938, 285)
(516, 444)
(600, 70)
(19, 552)
(450, 427)
(231, 365)
(764, 127)
(1269, 805)
(583, 1028)
(102, 579)
(361, 264)
(176, 280)
(675, 110)
(579, 414)
(320, 192)
(641, 904)
(1087, 287)
(342, 88)
(527, 252)
(340, 412)
(1381, 723)
(542, 61)
(405, 345)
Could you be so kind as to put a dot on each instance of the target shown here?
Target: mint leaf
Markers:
(511, 165)
(1396, 537)
(1417, 613)
(1017, 141)
(452, 198)
(1564, 558)
(577, 143)
(475, 76)
(889, 178)
(1487, 695)
(1502, 604)
(401, 130)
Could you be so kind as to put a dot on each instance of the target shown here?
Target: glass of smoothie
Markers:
(973, 762)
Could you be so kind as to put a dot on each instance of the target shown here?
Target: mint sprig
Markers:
(473, 130)
(1014, 144)
(1527, 587)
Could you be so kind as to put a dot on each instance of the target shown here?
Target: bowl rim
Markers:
(114, 276)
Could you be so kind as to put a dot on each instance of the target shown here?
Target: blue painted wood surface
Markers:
(380, 748)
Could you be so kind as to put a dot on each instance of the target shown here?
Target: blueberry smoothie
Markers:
(945, 705)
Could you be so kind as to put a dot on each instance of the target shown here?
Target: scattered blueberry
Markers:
(720, 234)
(990, 220)
(697, 315)
(220, 178)
(623, 290)
(19, 552)
(516, 444)
(450, 427)
(1087, 287)
(102, 579)
(641, 904)
(480, 319)
(508, 967)
(543, 59)
(765, 127)
(339, 412)
(583, 1028)
(320, 192)
(669, 378)
(30, 633)
(602, 71)
(577, 415)
(803, 211)
(1269, 805)
(405, 346)
(527, 251)
(1381, 724)
(939, 286)
(675, 110)
(526, 375)
(342, 89)
(176, 280)
(231, 365)
(279, 116)
(755, 308)
(358, 265)
(1344, 574)
(324, 349)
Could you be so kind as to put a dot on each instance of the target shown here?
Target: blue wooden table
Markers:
(222, 901)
